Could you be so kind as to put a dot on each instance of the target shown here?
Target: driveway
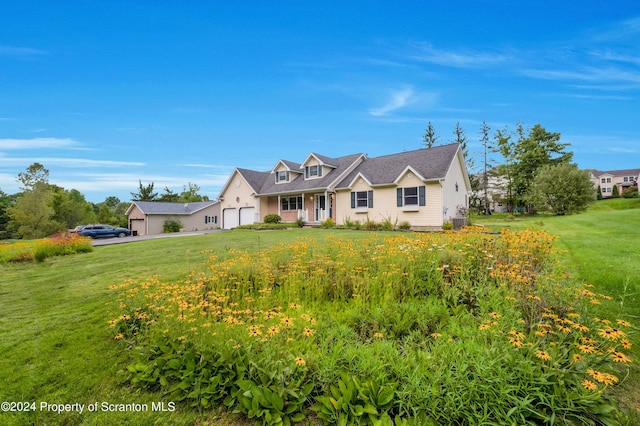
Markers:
(124, 240)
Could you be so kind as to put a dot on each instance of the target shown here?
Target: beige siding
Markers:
(385, 204)
(239, 194)
(454, 199)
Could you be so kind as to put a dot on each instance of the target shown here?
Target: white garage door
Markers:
(229, 218)
(247, 215)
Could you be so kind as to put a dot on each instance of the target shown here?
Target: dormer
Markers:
(316, 166)
(285, 172)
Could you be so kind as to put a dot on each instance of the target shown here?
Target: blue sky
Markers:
(107, 93)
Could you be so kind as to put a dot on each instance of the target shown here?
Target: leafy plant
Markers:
(171, 225)
(272, 218)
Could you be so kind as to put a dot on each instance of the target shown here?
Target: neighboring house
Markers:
(607, 179)
(148, 217)
(424, 187)
(497, 193)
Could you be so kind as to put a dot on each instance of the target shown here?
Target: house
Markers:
(497, 193)
(148, 217)
(623, 179)
(424, 187)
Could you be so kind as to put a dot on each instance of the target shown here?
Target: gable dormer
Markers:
(284, 171)
(316, 166)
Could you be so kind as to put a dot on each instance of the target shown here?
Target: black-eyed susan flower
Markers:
(620, 357)
(543, 355)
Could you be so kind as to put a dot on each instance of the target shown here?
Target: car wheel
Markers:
(121, 235)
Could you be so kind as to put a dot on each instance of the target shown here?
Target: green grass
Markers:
(55, 343)
(56, 346)
(601, 247)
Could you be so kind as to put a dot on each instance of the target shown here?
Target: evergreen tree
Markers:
(429, 138)
(145, 193)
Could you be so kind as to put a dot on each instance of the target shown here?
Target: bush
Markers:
(404, 225)
(329, 223)
(272, 218)
(172, 225)
(300, 222)
(630, 192)
(447, 226)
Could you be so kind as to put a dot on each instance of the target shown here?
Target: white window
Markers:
(290, 203)
(362, 200)
(313, 171)
(282, 176)
(411, 196)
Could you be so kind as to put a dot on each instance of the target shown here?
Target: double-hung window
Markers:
(290, 203)
(282, 176)
(313, 171)
(362, 200)
(412, 196)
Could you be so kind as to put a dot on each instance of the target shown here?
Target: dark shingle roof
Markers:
(430, 163)
(254, 179)
(625, 172)
(299, 183)
(157, 207)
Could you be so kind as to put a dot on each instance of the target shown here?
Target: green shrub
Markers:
(447, 226)
(630, 192)
(171, 225)
(300, 222)
(329, 223)
(404, 225)
(272, 218)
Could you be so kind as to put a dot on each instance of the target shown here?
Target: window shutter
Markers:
(353, 200)
(370, 199)
(206, 219)
(306, 172)
(399, 197)
(319, 170)
(421, 196)
(287, 175)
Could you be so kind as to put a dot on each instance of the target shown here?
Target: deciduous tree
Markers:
(562, 188)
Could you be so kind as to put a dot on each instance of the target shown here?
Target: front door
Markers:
(319, 205)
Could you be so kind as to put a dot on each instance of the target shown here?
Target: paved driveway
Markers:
(110, 241)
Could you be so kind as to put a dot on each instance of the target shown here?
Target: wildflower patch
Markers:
(459, 328)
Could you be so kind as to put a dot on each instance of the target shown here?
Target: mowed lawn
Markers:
(600, 247)
(56, 346)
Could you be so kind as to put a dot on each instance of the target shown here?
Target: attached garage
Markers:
(229, 218)
(247, 215)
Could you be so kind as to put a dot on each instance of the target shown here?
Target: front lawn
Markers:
(418, 326)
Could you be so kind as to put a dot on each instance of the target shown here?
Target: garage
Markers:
(229, 218)
(247, 215)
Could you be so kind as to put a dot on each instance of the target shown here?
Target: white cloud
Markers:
(20, 51)
(38, 143)
(399, 99)
(69, 162)
(424, 52)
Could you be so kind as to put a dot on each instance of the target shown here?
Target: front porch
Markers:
(312, 208)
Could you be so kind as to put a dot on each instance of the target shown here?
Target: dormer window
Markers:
(282, 176)
(313, 171)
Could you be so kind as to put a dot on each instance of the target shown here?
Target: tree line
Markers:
(41, 208)
(533, 170)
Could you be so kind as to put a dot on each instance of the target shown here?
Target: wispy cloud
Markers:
(458, 58)
(21, 52)
(69, 162)
(398, 99)
(38, 143)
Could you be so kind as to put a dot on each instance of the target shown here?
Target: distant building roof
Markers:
(625, 172)
(158, 207)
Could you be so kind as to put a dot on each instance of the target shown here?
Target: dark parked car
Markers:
(103, 231)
